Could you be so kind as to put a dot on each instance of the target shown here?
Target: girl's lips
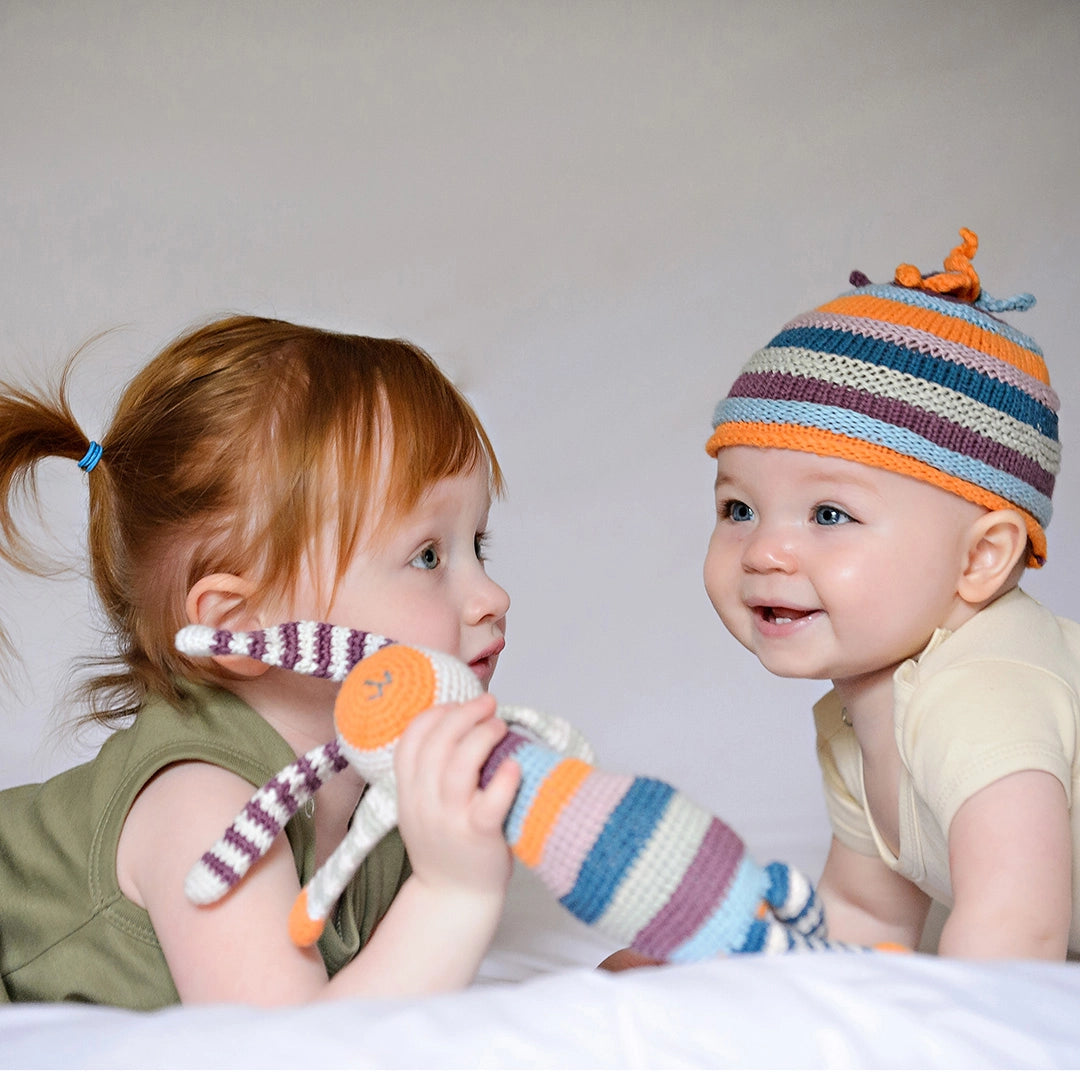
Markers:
(483, 666)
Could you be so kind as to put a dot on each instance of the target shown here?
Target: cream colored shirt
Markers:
(997, 696)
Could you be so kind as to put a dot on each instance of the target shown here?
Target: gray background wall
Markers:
(590, 213)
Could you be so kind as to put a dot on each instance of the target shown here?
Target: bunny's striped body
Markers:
(628, 855)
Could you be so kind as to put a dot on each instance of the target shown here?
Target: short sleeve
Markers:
(974, 723)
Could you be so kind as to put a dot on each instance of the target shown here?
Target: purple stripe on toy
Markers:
(284, 795)
(263, 818)
(355, 650)
(503, 749)
(337, 758)
(242, 844)
(936, 429)
(702, 888)
(219, 646)
(311, 775)
(322, 649)
(257, 644)
(221, 870)
(290, 641)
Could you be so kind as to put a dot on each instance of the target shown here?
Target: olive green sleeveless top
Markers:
(67, 933)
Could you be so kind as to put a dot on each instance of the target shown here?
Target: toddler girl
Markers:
(257, 472)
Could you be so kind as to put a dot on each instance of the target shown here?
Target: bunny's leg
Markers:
(374, 818)
(255, 828)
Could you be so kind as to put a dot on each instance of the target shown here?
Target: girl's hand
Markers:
(451, 827)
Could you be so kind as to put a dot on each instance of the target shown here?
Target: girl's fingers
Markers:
(434, 731)
(494, 802)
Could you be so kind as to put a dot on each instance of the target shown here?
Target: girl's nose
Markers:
(487, 600)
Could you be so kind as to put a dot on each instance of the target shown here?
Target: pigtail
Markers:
(34, 425)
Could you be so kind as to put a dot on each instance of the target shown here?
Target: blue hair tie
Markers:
(91, 457)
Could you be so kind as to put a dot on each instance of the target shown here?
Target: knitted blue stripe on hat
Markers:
(728, 928)
(964, 380)
(617, 846)
(902, 440)
(952, 308)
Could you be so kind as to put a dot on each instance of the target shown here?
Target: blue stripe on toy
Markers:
(617, 847)
(536, 763)
(728, 928)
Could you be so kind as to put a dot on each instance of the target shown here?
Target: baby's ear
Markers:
(223, 602)
(997, 543)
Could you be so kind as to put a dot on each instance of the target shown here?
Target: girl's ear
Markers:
(995, 556)
(223, 602)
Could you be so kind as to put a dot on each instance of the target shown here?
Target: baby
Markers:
(885, 467)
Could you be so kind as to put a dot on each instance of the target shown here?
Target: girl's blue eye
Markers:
(480, 545)
(428, 559)
(736, 510)
(830, 515)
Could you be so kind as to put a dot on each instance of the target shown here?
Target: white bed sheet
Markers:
(804, 1011)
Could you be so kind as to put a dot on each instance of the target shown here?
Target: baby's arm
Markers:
(867, 903)
(1010, 860)
(432, 937)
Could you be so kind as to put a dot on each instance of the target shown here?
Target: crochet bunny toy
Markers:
(630, 856)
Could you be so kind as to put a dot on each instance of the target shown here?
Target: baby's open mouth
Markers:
(780, 616)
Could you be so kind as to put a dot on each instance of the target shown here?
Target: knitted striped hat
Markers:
(919, 377)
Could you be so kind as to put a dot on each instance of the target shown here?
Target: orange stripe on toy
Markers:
(943, 326)
(368, 715)
(554, 793)
(813, 440)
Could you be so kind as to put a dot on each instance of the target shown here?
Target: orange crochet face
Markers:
(382, 694)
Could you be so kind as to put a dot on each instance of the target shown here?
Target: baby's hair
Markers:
(240, 448)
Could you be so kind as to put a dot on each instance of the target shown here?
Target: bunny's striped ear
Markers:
(310, 648)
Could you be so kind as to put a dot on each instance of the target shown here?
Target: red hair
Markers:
(222, 457)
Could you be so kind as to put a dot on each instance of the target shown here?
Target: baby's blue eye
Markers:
(428, 559)
(830, 515)
(736, 510)
(480, 545)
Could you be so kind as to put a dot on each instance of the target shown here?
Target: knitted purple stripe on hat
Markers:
(703, 886)
(942, 432)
